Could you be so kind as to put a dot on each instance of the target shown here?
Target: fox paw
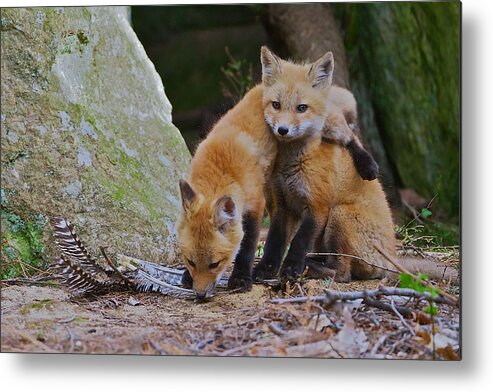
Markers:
(263, 271)
(367, 167)
(291, 272)
(186, 280)
(240, 281)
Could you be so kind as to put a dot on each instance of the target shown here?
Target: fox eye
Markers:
(276, 105)
(213, 265)
(192, 264)
(301, 108)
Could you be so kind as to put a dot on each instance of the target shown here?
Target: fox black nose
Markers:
(282, 131)
(201, 294)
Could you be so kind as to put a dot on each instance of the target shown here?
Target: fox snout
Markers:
(203, 293)
(286, 132)
(282, 130)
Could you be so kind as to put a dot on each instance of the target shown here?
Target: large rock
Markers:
(86, 132)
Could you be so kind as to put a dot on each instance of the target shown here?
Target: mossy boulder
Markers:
(86, 133)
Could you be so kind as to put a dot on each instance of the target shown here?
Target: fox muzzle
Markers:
(206, 293)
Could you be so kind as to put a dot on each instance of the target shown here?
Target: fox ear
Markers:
(271, 66)
(225, 213)
(321, 71)
(187, 195)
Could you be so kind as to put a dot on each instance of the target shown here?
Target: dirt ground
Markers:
(47, 319)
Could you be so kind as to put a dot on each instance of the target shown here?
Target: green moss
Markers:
(83, 40)
(42, 324)
(15, 155)
(128, 185)
(80, 320)
(22, 243)
(119, 187)
(405, 70)
(74, 42)
(86, 13)
(35, 306)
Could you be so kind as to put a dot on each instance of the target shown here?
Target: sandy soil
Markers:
(47, 319)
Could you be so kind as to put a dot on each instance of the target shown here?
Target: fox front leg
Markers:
(241, 278)
(342, 129)
(364, 163)
(302, 243)
(275, 245)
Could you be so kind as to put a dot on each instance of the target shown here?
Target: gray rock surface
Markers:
(86, 133)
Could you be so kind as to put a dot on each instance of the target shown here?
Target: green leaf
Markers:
(431, 309)
(422, 276)
(406, 280)
(434, 292)
(426, 213)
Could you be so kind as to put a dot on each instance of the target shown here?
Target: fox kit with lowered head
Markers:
(223, 200)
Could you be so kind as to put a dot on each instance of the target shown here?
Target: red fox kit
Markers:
(223, 202)
(314, 185)
(334, 116)
(223, 205)
(319, 200)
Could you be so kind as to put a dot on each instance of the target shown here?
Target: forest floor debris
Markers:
(47, 319)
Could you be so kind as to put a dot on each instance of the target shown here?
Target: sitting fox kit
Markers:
(319, 200)
(334, 117)
(223, 201)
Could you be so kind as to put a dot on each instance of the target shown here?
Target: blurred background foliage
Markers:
(401, 60)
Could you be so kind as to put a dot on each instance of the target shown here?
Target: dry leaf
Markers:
(349, 342)
(425, 337)
(448, 353)
(442, 341)
(319, 322)
(422, 318)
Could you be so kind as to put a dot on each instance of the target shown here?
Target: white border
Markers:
(136, 374)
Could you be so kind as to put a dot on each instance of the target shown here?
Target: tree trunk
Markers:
(405, 72)
(305, 32)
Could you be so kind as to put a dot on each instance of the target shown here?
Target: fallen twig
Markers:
(113, 267)
(399, 314)
(377, 345)
(333, 295)
(370, 298)
(370, 301)
(40, 280)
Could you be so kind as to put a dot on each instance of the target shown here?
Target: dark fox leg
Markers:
(364, 163)
(301, 244)
(275, 245)
(242, 271)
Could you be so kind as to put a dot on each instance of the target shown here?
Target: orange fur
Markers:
(358, 209)
(319, 179)
(233, 160)
(231, 166)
